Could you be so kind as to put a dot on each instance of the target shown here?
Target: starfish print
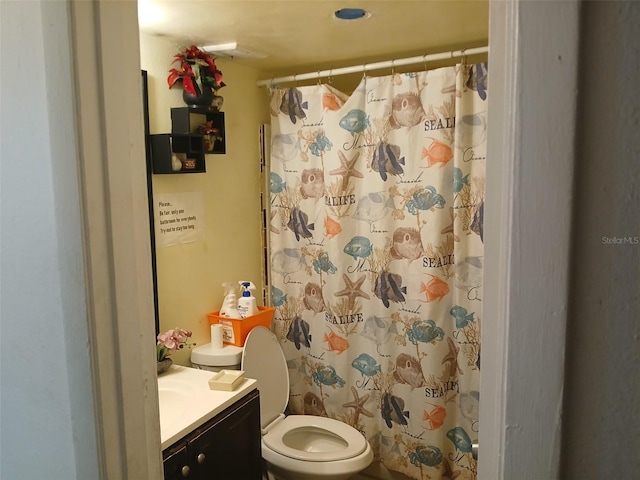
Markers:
(358, 406)
(452, 358)
(347, 169)
(352, 290)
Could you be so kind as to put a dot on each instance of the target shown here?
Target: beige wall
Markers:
(190, 275)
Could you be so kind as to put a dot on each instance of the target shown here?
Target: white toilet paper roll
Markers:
(216, 335)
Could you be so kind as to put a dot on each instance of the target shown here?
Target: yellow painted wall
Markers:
(190, 275)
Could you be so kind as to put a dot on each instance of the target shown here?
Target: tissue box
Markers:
(235, 330)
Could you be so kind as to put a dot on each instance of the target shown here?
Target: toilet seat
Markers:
(319, 439)
(327, 439)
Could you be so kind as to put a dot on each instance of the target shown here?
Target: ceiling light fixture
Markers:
(350, 13)
(231, 49)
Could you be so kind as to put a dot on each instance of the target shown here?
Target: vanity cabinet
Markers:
(227, 447)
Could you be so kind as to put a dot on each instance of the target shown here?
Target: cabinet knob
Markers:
(185, 471)
(201, 458)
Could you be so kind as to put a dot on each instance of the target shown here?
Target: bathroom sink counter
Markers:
(186, 401)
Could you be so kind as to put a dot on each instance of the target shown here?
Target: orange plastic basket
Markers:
(235, 330)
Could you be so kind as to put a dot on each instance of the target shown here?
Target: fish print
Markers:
(469, 273)
(278, 297)
(358, 247)
(388, 288)
(434, 418)
(366, 365)
(330, 102)
(424, 331)
(470, 405)
(336, 342)
(459, 181)
(323, 264)
(425, 198)
(276, 184)
(426, 455)
(356, 121)
(477, 79)
(312, 185)
(298, 224)
(378, 330)
(471, 131)
(438, 153)
(409, 371)
(299, 333)
(462, 317)
(460, 439)
(478, 221)
(392, 410)
(373, 207)
(285, 147)
(386, 160)
(435, 289)
(407, 244)
(287, 260)
(313, 299)
(326, 375)
(331, 227)
(313, 405)
(406, 110)
(293, 105)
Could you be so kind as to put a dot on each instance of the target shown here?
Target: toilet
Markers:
(298, 447)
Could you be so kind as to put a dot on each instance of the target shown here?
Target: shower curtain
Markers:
(375, 231)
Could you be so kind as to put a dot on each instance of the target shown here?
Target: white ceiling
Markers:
(298, 36)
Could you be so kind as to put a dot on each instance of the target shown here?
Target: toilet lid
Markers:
(264, 361)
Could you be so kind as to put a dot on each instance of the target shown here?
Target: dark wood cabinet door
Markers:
(228, 447)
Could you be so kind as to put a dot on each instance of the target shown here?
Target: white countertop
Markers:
(186, 401)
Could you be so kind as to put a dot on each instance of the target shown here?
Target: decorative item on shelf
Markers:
(171, 341)
(210, 135)
(189, 164)
(200, 77)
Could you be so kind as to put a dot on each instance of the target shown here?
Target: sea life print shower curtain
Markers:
(376, 246)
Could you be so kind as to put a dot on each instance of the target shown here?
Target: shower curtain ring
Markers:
(424, 61)
(393, 67)
(319, 83)
(364, 70)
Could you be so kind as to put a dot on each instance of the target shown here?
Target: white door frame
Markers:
(533, 55)
(533, 83)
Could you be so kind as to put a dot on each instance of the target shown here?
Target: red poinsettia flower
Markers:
(198, 70)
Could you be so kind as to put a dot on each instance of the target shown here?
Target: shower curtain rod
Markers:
(375, 66)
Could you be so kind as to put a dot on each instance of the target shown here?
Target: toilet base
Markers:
(275, 473)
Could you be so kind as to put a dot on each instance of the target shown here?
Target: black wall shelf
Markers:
(193, 120)
(189, 149)
(189, 141)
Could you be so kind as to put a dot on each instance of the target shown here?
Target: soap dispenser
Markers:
(247, 302)
(229, 305)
